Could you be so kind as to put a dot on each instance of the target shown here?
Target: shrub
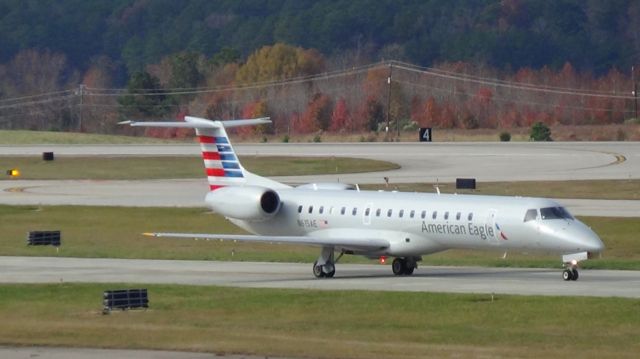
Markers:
(540, 132)
(505, 136)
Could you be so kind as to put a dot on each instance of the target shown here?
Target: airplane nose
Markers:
(590, 239)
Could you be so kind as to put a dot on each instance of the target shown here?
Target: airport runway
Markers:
(516, 281)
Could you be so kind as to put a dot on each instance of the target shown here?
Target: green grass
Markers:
(114, 232)
(322, 324)
(132, 168)
(19, 137)
(586, 189)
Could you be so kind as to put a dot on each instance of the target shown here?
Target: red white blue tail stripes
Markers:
(220, 161)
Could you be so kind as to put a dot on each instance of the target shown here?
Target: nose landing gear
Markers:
(570, 262)
(570, 274)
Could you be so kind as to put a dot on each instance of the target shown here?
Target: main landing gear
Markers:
(404, 266)
(325, 265)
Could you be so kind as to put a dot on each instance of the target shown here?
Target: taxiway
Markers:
(516, 281)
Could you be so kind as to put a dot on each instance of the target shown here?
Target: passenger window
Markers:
(310, 209)
(367, 211)
(389, 212)
(354, 211)
(344, 209)
(321, 210)
(423, 214)
(412, 214)
(300, 209)
(470, 216)
(401, 213)
(531, 215)
(434, 215)
(458, 216)
(446, 215)
(378, 212)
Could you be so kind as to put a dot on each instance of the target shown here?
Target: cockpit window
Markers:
(555, 213)
(531, 215)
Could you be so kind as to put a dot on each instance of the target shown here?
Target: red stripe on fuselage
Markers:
(207, 139)
(214, 187)
(211, 155)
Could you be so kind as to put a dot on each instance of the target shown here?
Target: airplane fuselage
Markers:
(423, 223)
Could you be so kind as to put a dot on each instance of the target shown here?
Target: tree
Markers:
(227, 55)
(317, 116)
(340, 118)
(185, 72)
(374, 113)
(144, 98)
(540, 132)
(279, 62)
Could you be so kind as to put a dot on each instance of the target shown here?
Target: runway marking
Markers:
(15, 189)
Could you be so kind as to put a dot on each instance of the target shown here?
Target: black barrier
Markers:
(47, 156)
(465, 183)
(44, 238)
(125, 299)
(425, 134)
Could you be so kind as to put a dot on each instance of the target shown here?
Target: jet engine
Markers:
(249, 203)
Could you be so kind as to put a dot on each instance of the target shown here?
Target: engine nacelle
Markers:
(249, 203)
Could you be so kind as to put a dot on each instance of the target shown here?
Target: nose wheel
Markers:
(570, 274)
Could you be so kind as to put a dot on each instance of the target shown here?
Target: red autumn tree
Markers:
(341, 118)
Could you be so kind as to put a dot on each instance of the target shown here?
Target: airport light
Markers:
(14, 172)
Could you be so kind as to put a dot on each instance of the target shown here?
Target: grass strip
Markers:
(23, 137)
(114, 232)
(582, 189)
(138, 168)
(322, 324)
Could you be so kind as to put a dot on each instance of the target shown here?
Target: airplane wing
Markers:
(361, 244)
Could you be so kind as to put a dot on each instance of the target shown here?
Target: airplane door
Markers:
(491, 223)
(366, 215)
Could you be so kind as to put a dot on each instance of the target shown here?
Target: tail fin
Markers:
(222, 166)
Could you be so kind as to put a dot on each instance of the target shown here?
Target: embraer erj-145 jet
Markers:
(340, 218)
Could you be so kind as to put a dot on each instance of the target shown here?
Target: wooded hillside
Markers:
(318, 65)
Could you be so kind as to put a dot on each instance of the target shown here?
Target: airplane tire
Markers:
(398, 266)
(330, 274)
(574, 274)
(409, 270)
(567, 274)
(317, 270)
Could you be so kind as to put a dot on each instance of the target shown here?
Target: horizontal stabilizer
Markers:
(196, 122)
(351, 243)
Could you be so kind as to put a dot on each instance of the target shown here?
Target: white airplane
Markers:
(340, 218)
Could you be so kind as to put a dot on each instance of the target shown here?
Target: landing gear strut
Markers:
(325, 265)
(404, 266)
(571, 264)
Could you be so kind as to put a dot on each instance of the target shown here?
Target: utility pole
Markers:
(388, 98)
(81, 93)
(635, 93)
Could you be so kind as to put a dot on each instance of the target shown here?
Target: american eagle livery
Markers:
(341, 219)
